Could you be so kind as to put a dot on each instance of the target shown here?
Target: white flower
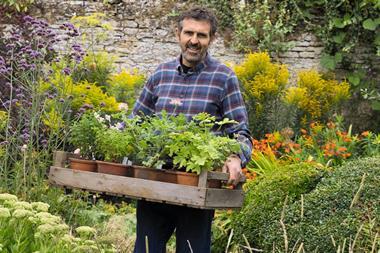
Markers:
(77, 151)
(4, 212)
(40, 206)
(22, 205)
(85, 230)
(24, 147)
(176, 102)
(7, 196)
(123, 106)
(108, 118)
(98, 117)
(21, 213)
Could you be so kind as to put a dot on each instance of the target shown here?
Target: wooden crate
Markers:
(193, 196)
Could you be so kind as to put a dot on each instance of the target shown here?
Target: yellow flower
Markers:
(85, 230)
(22, 205)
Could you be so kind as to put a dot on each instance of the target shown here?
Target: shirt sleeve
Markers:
(145, 105)
(233, 108)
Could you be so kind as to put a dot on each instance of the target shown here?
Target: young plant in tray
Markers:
(191, 145)
(83, 135)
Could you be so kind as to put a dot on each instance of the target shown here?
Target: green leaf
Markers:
(338, 22)
(328, 61)
(339, 37)
(369, 24)
(354, 79)
(375, 105)
(338, 57)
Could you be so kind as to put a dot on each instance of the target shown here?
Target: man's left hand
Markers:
(233, 166)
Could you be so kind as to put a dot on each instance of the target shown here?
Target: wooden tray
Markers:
(199, 196)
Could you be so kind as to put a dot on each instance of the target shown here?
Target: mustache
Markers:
(194, 46)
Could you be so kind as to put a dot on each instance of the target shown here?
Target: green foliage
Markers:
(342, 210)
(264, 25)
(95, 68)
(264, 200)
(17, 5)
(114, 144)
(83, 135)
(192, 145)
(125, 86)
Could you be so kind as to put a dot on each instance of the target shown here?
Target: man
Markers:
(191, 84)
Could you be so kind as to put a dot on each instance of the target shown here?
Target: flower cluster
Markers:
(30, 225)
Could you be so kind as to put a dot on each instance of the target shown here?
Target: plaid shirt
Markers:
(211, 87)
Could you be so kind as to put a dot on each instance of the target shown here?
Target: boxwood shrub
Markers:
(263, 204)
(342, 212)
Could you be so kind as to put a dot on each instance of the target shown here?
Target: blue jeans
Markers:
(157, 222)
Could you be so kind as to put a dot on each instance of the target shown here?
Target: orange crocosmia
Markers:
(331, 125)
(342, 149)
(365, 133)
(303, 131)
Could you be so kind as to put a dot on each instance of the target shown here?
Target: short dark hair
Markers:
(199, 13)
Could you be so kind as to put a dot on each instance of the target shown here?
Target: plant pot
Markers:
(114, 169)
(168, 176)
(82, 164)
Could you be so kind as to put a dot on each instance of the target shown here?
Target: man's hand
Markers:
(233, 167)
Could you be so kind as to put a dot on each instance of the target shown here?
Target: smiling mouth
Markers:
(193, 50)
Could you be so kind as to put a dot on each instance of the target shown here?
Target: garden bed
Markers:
(151, 188)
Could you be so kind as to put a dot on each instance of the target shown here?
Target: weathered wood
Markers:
(218, 175)
(128, 186)
(202, 181)
(221, 198)
(193, 196)
(60, 158)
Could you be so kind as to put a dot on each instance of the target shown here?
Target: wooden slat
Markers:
(218, 175)
(131, 187)
(224, 198)
(202, 181)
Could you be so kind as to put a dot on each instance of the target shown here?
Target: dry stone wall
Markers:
(143, 34)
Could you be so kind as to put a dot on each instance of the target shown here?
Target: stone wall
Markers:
(143, 34)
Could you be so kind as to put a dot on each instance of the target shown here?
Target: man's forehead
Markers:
(190, 23)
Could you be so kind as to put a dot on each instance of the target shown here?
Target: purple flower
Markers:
(4, 143)
(102, 104)
(28, 18)
(61, 100)
(66, 71)
(81, 110)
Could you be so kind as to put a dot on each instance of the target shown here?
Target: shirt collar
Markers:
(198, 68)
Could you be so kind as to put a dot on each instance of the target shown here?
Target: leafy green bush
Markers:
(264, 200)
(343, 210)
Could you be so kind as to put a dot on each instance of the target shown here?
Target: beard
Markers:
(193, 54)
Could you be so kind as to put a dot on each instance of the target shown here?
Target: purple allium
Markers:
(61, 100)
(82, 110)
(102, 104)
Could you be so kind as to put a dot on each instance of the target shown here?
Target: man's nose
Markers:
(194, 39)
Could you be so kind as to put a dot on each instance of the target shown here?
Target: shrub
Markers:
(263, 83)
(125, 86)
(343, 208)
(95, 68)
(316, 97)
(264, 200)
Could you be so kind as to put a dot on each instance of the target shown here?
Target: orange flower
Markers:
(365, 133)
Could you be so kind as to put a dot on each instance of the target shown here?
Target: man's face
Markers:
(194, 40)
